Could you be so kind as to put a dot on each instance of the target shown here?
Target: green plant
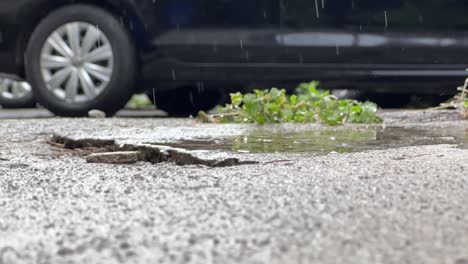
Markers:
(307, 105)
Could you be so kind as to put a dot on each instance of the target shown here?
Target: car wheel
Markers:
(16, 94)
(81, 58)
(186, 101)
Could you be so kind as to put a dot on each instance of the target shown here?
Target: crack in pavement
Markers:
(109, 151)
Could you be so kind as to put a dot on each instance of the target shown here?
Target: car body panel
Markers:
(377, 32)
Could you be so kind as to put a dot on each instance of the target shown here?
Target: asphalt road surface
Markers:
(398, 205)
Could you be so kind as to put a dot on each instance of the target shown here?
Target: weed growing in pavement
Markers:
(307, 105)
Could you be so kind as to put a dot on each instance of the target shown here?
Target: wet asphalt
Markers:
(398, 205)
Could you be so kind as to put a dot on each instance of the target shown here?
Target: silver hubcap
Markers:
(13, 90)
(77, 62)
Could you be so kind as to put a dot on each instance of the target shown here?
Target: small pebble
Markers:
(96, 114)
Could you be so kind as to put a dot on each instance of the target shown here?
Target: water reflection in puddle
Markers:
(326, 140)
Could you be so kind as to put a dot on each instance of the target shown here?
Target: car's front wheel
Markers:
(80, 58)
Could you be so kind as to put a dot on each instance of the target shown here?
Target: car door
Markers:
(429, 32)
(215, 31)
(369, 33)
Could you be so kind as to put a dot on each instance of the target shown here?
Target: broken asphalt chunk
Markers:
(132, 153)
(118, 157)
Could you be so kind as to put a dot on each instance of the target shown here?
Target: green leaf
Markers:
(260, 119)
(250, 106)
(236, 99)
(275, 93)
(293, 99)
(249, 98)
(287, 115)
(260, 93)
(300, 117)
(272, 107)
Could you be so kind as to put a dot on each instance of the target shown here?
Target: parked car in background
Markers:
(88, 54)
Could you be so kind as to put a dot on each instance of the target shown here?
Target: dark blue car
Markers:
(94, 54)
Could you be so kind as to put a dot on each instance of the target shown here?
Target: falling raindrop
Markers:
(200, 86)
(317, 9)
(191, 98)
(386, 22)
(154, 96)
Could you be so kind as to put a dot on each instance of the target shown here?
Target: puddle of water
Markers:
(324, 141)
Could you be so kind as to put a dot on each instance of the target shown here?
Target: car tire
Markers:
(186, 101)
(104, 50)
(16, 94)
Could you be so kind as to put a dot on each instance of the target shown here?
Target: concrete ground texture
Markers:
(407, 204)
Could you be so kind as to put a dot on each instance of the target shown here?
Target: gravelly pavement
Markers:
(405, 205)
